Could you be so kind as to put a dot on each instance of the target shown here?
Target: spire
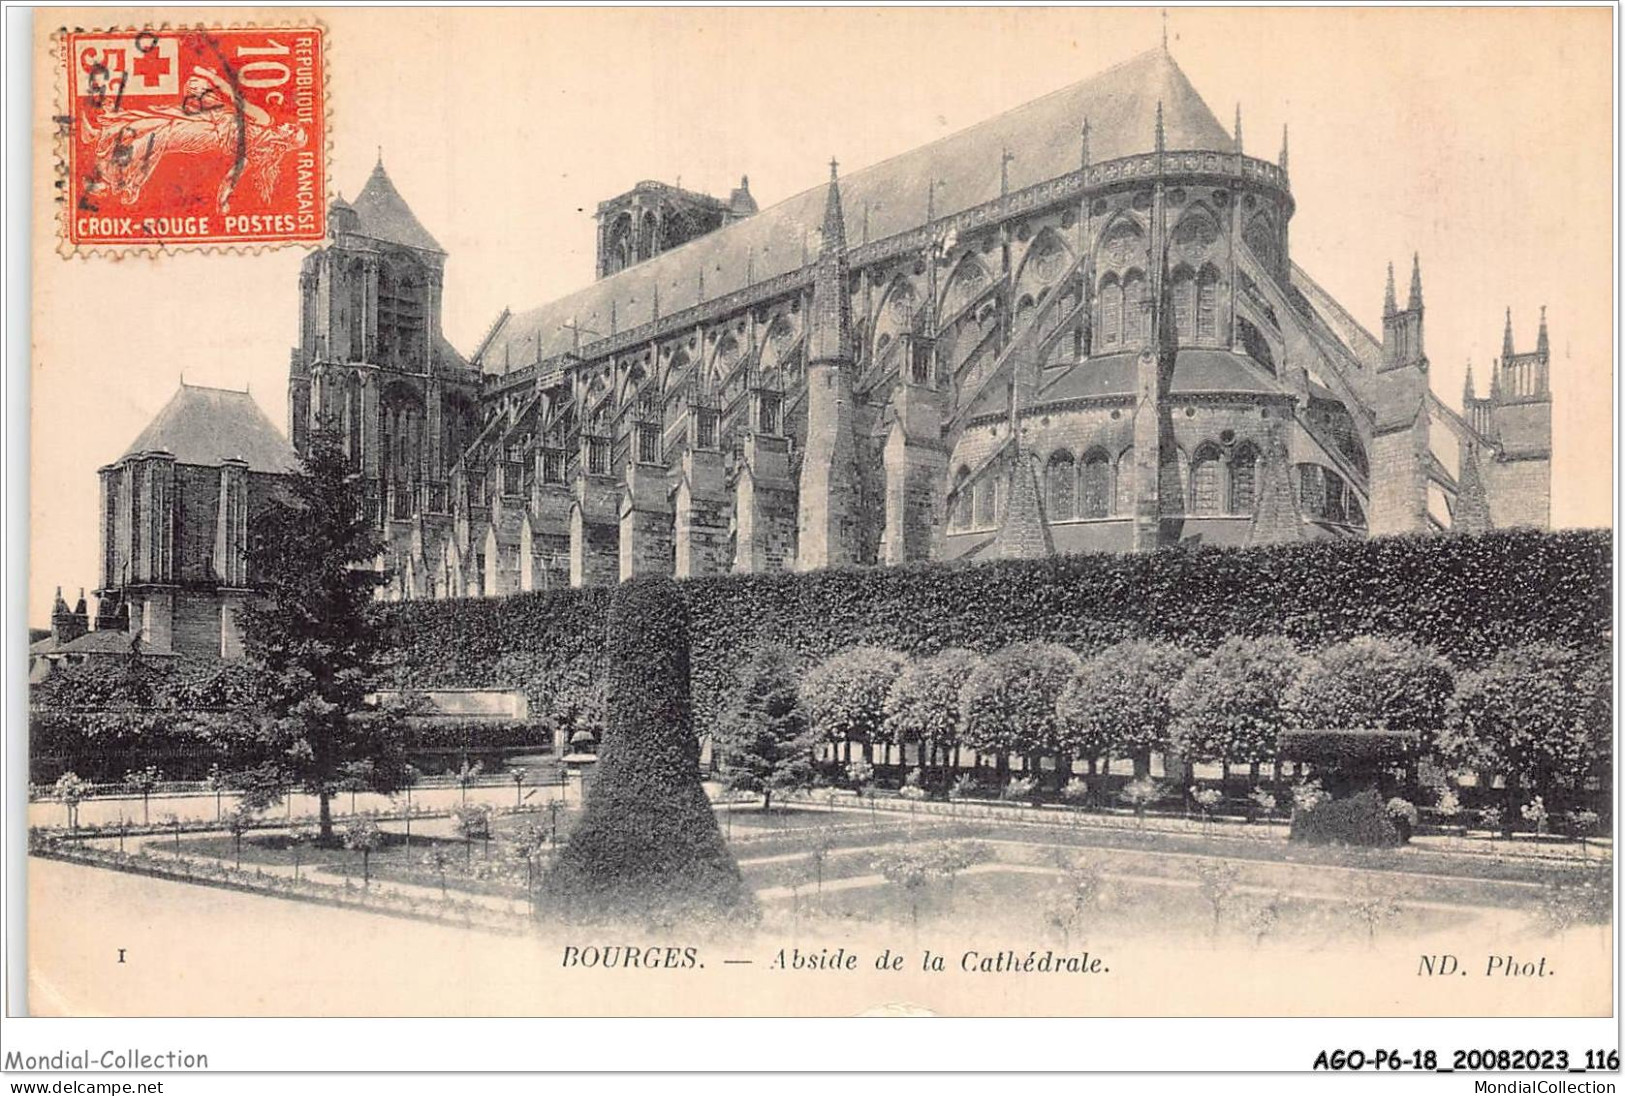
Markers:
(1471, 514)
(80, 608)
(1238, 126)
(1543, 345)
(1023, 534)
(1165, 30)
(1277, 516)
(59, 607)
(830, 337)
(1159, 128)
(1468, 393)
(1506, 338)
(1389, 303)
(1086, 141)
(1283, 159)
(1415, 301)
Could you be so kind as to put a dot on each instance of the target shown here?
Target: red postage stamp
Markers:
(194, 136)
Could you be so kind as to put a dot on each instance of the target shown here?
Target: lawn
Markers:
(1148, 882)
(1037, 905)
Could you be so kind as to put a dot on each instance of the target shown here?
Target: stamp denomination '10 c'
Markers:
(195, 136)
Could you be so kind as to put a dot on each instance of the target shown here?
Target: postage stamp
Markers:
(180, 137)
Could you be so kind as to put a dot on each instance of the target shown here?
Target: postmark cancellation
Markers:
(186, 137)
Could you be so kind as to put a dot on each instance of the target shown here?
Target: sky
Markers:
(1481, 139)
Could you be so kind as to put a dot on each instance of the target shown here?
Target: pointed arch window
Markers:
(1207, 304)
(1136, 314)
(1060, 481)
(1244, 480)
(1205, 481)
(1184, 291)
(1334, 497)
(1125, 481)
(1111, 312)
(987, 501)
(1095, 485)
(358, 312)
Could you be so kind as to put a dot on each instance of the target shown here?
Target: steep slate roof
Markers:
(384, 214)
(1196, 371)
(100, 643)
(889, 198)
(205, 426)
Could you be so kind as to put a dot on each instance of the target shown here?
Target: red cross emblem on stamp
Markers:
(192, 136)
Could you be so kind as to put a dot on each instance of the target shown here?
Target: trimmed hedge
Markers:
(103, 745)
(647, 850)
(1466, 597)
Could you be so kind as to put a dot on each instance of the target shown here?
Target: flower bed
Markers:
(212, 873)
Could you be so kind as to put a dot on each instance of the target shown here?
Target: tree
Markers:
(1372, 683)
(1228, 705)
(922, 705)
(910, 868)
(144, 781)
(1538, 714)
(239, 821)
(473, 824)
(845, 695)
(1216, 880)
(1078, 896)
(762, 740)
(1008, 701)
(1116, 704)
(362, 834)
(70, 792)
(318, 636)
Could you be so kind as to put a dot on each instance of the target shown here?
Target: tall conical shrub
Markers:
(647, 849)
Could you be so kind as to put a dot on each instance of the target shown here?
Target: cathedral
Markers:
(1075, 327)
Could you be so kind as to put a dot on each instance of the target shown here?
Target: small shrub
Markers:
(1404, 815)
(1534, 812)
(1140, 793)
(1307, 795)
(1360, 820)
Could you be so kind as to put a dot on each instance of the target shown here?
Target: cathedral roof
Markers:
(205, 426)
(1196, 371)
(101, 642)
(384, 214)
(1044, 138)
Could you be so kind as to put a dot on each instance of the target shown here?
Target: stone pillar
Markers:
(702, 515)
(595, 523)
(231, 525)
(766, 518)
(1147, 456)
(231, 635)
(157, 619)
(916, 466)
(433, 407)
(828, 499)
(645, 522)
